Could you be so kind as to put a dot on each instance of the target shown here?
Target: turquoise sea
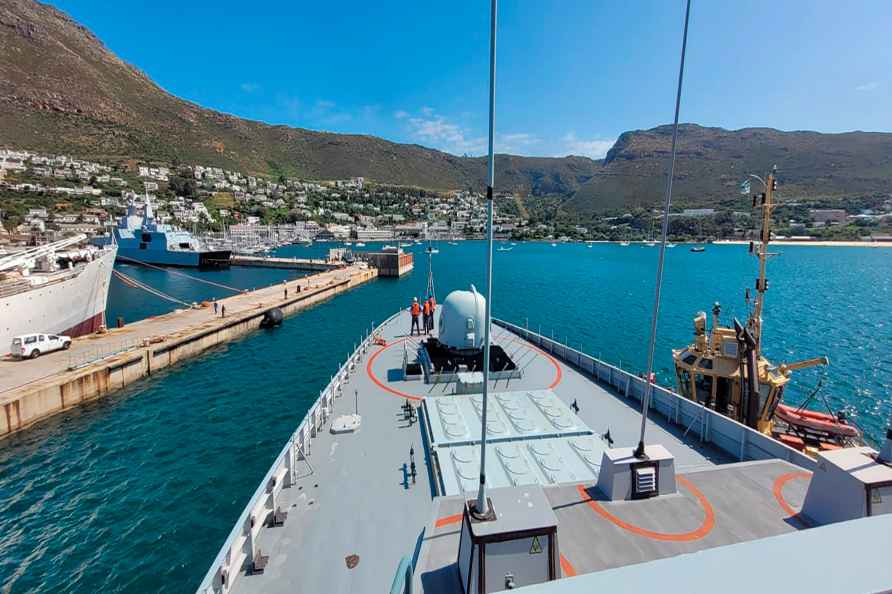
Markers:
(136, 492)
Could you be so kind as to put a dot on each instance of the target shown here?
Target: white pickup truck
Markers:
(30, 346)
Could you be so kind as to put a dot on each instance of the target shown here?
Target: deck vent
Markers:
(645, 481)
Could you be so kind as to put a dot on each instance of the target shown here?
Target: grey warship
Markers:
(483, 456)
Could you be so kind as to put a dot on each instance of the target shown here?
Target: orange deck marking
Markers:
(567, 567)
(379, 383)
(558, 374)
(704, 529)
(447, 520)
(778, 490)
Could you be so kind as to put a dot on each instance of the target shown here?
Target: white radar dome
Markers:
(461, 320)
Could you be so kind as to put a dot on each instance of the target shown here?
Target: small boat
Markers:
(698, 248)
(503, 249)
(624, 243)
(513, 244)
(809, 421)
(432, 250)
(553, 245)
(405, 245)
(360, 244)
(452, 242)
(670, 245)
(650, 243)
(348, 243)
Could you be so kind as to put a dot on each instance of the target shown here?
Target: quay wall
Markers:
(32, 402)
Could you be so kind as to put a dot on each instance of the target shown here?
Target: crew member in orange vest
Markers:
(416, 311)
(433, 304)
(427, 316)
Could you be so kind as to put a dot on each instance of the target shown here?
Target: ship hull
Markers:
(207, 259)
(74, 306)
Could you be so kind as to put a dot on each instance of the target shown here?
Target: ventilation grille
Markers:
(645, 480)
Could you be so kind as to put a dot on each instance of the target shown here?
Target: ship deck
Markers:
(716, 506)
(355, 511)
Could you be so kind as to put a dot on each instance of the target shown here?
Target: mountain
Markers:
(711, 162)
(62, 90)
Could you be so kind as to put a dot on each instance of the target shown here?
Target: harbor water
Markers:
(136, 492)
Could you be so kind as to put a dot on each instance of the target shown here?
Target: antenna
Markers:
(645, 402)
(482, 509)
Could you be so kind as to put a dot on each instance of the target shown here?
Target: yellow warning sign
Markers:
(535, 548)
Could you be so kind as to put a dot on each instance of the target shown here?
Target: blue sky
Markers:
(572, 74)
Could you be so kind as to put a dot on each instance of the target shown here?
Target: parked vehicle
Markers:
(31, 346)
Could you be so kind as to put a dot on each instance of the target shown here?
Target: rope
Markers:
(132, 282)
(195, 278)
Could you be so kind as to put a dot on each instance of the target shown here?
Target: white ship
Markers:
(56, 288)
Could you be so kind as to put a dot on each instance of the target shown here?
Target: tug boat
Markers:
(725, 369)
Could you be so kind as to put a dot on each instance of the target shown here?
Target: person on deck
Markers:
(433, 304)
(415, 310)
(426, 309)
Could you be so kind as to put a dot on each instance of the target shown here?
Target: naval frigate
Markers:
(479, 456)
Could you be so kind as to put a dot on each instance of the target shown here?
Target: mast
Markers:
(481, 508)
(667, 202)
(767, 205)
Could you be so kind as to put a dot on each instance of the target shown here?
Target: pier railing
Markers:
(240, 552)
(733, 438)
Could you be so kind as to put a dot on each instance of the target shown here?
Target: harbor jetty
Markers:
(99, 364)
(307, 264)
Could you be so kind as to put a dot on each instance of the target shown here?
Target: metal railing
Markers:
(240, 550)
(733, 438)
(87, 356)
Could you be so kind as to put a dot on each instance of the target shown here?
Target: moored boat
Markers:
(725, 368)
(57, 288)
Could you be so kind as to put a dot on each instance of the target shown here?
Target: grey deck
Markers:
(356, 500)
(740, 495)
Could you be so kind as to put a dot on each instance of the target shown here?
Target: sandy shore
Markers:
(867, 244)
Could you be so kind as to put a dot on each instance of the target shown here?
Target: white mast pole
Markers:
(482, 505)
(645, 402)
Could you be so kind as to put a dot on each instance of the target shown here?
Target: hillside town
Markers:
(45, 197)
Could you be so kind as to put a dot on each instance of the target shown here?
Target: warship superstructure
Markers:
(141, 239)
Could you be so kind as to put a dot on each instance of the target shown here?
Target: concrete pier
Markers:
(289, 263)
(97, 365)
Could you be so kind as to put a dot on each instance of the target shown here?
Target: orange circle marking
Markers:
(379, 383)
(778, 490)
(704, 528)
(558, 376)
